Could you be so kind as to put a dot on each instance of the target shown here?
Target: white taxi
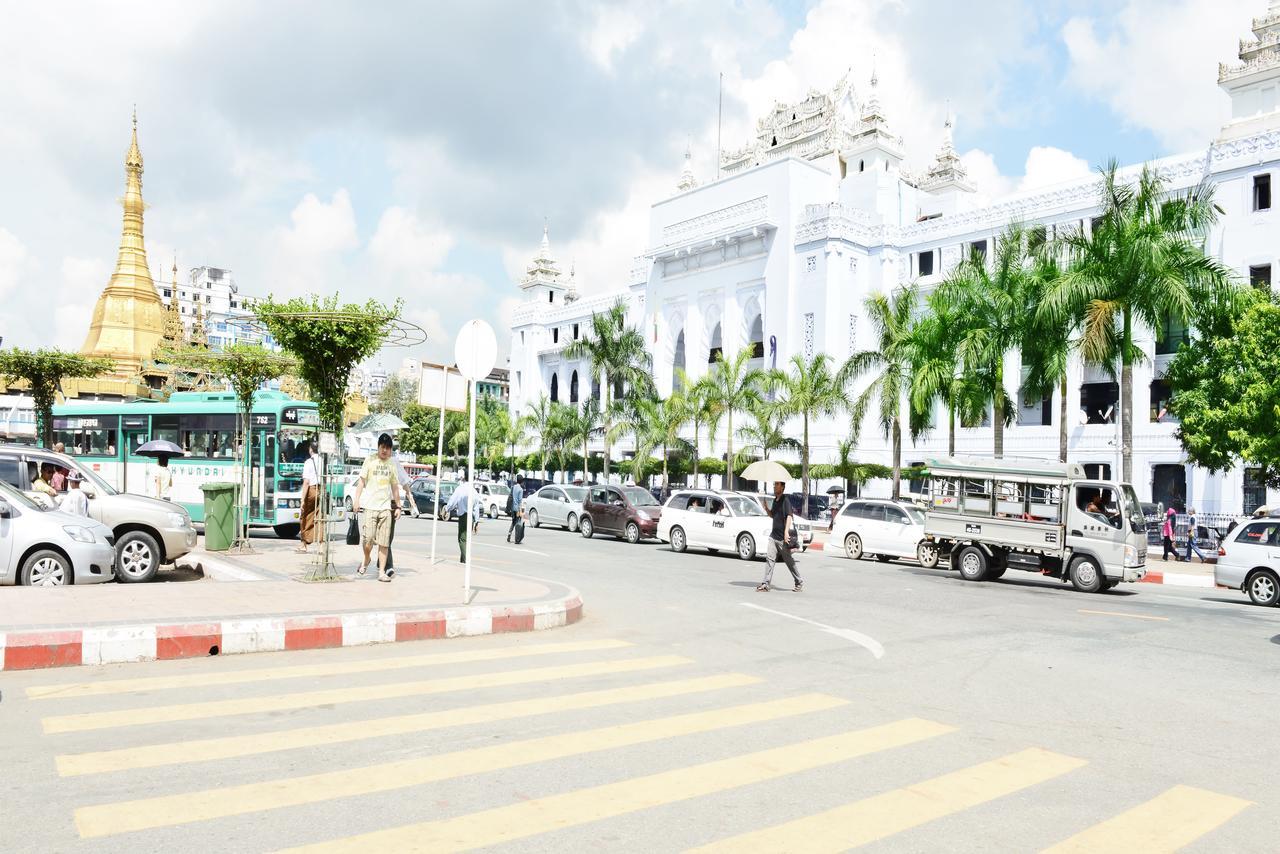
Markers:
(885, 529)
(713, 521)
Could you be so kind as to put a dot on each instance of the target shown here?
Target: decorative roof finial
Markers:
(687, 180)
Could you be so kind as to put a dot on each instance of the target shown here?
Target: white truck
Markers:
(992, 515)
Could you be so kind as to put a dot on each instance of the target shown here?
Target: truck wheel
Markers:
(927, 554)
(973, 564)
(1085, 575)
(853, 546)
(137, 557)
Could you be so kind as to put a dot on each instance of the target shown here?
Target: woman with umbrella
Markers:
(160, 478)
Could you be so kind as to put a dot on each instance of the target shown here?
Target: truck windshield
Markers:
(1133, 509)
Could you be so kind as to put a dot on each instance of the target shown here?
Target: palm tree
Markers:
(891, 317)
(700, 413)
(765, 434)
(618, 356)
(580, 424)
(810, 390)
(1143, 261)
(731, 387)
(936, 370)
(541, 418)
(1048, 347)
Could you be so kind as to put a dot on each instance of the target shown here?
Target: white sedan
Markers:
(885, 529)
(714, 521)
(555, 504)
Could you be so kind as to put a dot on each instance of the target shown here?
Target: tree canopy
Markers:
(43, 371)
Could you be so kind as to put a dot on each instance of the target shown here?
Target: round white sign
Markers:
(476, 350)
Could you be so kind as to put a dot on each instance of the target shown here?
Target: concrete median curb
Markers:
(65, 647)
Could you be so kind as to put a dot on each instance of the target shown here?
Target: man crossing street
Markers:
(517, 496)
(778, 548)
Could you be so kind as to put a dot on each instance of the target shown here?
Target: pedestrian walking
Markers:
(381, 505)
(1191, 538)
(1167, 532)
(310, 498)
(517, 498)
(778, 545)
(74, 501)
(160, 480)
(464, 503)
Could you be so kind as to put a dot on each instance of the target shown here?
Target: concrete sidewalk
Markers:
(262, 605)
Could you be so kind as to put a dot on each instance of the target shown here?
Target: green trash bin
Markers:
(219, 515)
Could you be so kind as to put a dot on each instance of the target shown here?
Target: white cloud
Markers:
(985, 174)
(82, 280)
(15, 261)
(402, 243)
(1156, 65)
(1047, 165)
(613, 29)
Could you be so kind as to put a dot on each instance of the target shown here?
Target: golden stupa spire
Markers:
(128, 319)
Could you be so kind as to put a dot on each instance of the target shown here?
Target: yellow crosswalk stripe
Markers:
(334, 668)
(878, 817)
(170, 810)
(1167, 822)
(204, 750)
(540, 815)
(355, 694)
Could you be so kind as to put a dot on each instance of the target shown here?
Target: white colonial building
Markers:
(820, 211)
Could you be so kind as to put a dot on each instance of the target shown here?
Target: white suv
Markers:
(885, 529)
(1249, 560)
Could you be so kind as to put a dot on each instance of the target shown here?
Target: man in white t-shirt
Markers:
(74, 501)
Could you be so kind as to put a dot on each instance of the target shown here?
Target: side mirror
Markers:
(6, 511)
(88, 490)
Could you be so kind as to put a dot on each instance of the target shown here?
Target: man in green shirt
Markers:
(377, 493)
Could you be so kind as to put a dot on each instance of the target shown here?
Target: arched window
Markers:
(555, 388)
(755, 338)
(717, 346)
(617, 389)
(677, 364)
(573, 387)
(595, 388)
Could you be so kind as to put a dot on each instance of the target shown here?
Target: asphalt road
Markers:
(884, 706)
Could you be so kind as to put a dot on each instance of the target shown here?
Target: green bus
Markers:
(106, 434)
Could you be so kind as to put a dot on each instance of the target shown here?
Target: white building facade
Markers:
(780, 253)
(211, 294)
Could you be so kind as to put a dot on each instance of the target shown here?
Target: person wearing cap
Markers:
(377, 493)
(74, 501)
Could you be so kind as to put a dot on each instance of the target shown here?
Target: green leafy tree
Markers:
(700, 413)
(423, 428)
(1050, 344)
(890, 364)
(541, 418)
(764, 433)
(43, 372)
(664, 422)
(810, 389)
(618, 356)
(731, 388)
(395, 397)
(577, 425)
(1226, 386)
(1143, 263)
(936, 371)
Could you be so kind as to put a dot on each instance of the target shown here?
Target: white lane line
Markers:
(1122, 614)
(867, 642)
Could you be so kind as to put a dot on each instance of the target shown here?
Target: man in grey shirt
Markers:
(517, 497)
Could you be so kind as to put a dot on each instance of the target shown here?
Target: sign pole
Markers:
(471, 499)
(435, 517)
(476, 352)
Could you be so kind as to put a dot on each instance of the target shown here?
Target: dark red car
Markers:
(624, 511)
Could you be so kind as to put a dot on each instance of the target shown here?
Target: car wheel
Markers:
(746, 547)
(46, 568)
(1264, 588)
(928, 555)
(633, 533)
(1085, 575)
(533, 518)
(586, 527)
(137, 557)
(973, 564)
(853, 547)
(573, 522)
(287, 532)
(678, 541)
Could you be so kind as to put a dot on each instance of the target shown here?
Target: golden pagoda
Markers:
(128, 321)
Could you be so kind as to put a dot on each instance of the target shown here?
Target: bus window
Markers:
(87, 436)
(166, 427)
(977, 496)
(208, 437)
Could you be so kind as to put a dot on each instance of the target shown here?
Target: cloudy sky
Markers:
(414, 149)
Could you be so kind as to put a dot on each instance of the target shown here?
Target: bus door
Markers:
(262, 468)
(133, 474)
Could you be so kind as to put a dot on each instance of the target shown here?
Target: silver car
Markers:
(555, 504)
(1249, 560)
(49, 548)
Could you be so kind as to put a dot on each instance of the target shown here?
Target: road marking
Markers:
(335, 668)
(171, 810)
(1168, 822)
(311, 699)
(875, 818)
(555, 812)
(205, 750)
(865, 641)
(1122, 614)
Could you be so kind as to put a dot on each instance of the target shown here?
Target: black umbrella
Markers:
(835, 489)
(159, 448)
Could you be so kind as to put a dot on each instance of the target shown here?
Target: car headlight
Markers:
(642, 516)
(177, 520)
(78, 533)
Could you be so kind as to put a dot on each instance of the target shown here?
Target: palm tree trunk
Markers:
(997, 413)
(804, 466)
(1062, 419)
(608, 426)
(695, 453)
(666, 484)
(951, 429)
(1126, 403)
(586, 467)
(728, 454)
(897, 458)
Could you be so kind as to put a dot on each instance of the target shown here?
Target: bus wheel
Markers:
(1085, 575)
(972, 563)
(287, 532)
(137, 557)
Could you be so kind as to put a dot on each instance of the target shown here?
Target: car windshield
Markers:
(499, 489)
(742, 506)
(13, 496)
(102, 486)
(639, 497)
(916, 514)
(575, 493)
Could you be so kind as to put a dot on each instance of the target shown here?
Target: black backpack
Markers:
(511, 503)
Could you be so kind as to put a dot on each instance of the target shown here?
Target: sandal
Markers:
(360, 570)
(762, 588)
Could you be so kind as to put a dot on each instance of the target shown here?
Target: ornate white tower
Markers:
(947, 172)
(687, 182)
(1254, 82)
(543, 282)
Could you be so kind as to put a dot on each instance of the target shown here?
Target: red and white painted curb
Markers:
(1178, 579)
(29, 650)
